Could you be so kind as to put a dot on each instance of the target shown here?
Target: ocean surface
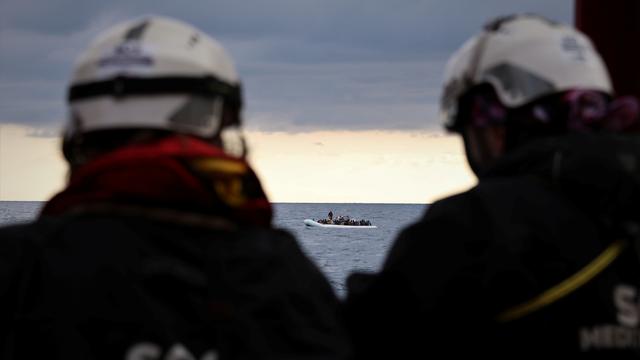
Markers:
(337, 252)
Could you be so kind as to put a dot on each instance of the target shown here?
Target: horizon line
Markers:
(363, 203)
(291, 202)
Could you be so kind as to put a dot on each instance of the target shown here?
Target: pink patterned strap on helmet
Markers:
(592, 111)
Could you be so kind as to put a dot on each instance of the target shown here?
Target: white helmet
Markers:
(153, 73)
(523, 57)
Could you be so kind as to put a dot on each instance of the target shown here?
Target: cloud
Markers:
(395, 29)
(330, 64)
(43, 132)
(34, 70)
(354, 96)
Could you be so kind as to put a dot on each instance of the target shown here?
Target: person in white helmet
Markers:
(540, 258)
(161, 245)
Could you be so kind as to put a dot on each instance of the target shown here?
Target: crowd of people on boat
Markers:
(343, 220)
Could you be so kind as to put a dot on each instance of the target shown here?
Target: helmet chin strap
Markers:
(230, 136)
(232, 141)
(483, 146)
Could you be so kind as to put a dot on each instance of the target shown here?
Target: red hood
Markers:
(178, 173)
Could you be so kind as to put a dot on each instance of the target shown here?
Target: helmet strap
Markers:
(484, 146)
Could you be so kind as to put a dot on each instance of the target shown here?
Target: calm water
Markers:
(336, 251)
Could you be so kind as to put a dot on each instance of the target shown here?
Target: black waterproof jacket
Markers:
(115, 285)
(539, 259)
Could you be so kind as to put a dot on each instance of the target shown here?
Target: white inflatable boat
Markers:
(309, 222)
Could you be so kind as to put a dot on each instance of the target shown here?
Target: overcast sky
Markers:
(305, 65)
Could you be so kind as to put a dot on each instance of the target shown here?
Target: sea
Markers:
(336, 251)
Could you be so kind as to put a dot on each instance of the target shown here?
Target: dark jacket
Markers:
(540, 258)
(115, 270)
